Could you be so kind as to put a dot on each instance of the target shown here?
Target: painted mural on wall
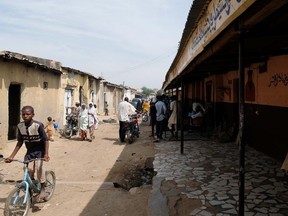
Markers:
(250, 87)
(279, 78)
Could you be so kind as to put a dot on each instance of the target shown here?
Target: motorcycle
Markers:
(145, 117)
(71, 127)
(132, 129)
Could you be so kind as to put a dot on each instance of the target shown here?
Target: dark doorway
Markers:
(81, 95)
(14, 110)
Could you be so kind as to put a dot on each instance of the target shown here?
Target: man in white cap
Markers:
(124, 109)
(76, 109)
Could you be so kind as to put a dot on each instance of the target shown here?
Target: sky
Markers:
(130, 42)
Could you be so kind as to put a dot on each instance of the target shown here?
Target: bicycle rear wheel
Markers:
(50, 184)
(15, 205)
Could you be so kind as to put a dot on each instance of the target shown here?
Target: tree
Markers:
(146, 91)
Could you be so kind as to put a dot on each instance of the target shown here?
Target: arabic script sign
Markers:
(217, 16)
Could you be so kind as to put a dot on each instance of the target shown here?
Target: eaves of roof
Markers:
(113, 85)
(41, 63)
(196, 12)
(263, 26)
(81, 72)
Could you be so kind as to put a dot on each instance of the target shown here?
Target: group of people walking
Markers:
(163, 113)
(87, 119)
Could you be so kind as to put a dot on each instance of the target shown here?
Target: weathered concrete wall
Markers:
(44, 99)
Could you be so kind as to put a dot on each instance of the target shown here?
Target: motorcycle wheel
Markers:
(136, 131)
(68, 131)
(129, 137)
(145, 117)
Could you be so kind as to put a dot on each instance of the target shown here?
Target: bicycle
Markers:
(21, 197)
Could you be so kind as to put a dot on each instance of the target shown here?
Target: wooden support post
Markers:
(182, 118)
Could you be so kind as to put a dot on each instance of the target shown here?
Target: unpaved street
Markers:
(85, 174)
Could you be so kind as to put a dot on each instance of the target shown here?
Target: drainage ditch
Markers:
(137, 177)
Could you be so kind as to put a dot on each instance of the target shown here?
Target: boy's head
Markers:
(49, 119)
(27, 113)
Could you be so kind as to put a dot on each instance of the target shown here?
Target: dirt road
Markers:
(85, 173)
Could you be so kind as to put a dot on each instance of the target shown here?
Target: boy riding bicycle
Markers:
(33, 134)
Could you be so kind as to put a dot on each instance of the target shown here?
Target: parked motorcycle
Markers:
(71, 127)
(145, 117)
(132, 129)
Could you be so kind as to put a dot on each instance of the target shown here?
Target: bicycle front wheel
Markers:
(15, 203)
(50, 184)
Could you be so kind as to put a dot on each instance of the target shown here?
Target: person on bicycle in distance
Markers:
(32, 133)
(124, 109)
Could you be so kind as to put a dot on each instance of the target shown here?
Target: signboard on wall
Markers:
(219, 14)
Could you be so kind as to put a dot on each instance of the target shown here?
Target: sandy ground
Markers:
(85, 172)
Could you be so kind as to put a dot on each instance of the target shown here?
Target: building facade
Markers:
(50, 88)
(31, 81)
(233, 57)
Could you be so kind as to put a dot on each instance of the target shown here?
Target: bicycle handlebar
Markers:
(22, 161)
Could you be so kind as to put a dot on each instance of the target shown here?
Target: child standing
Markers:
(32, 133)
(49, 128)
(55, 125)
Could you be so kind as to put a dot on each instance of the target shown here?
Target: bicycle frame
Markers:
(26, 192)
(26, 183)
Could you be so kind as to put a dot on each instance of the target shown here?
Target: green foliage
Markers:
(146, 91)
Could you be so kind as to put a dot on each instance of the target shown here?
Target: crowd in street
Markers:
(162, 110)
